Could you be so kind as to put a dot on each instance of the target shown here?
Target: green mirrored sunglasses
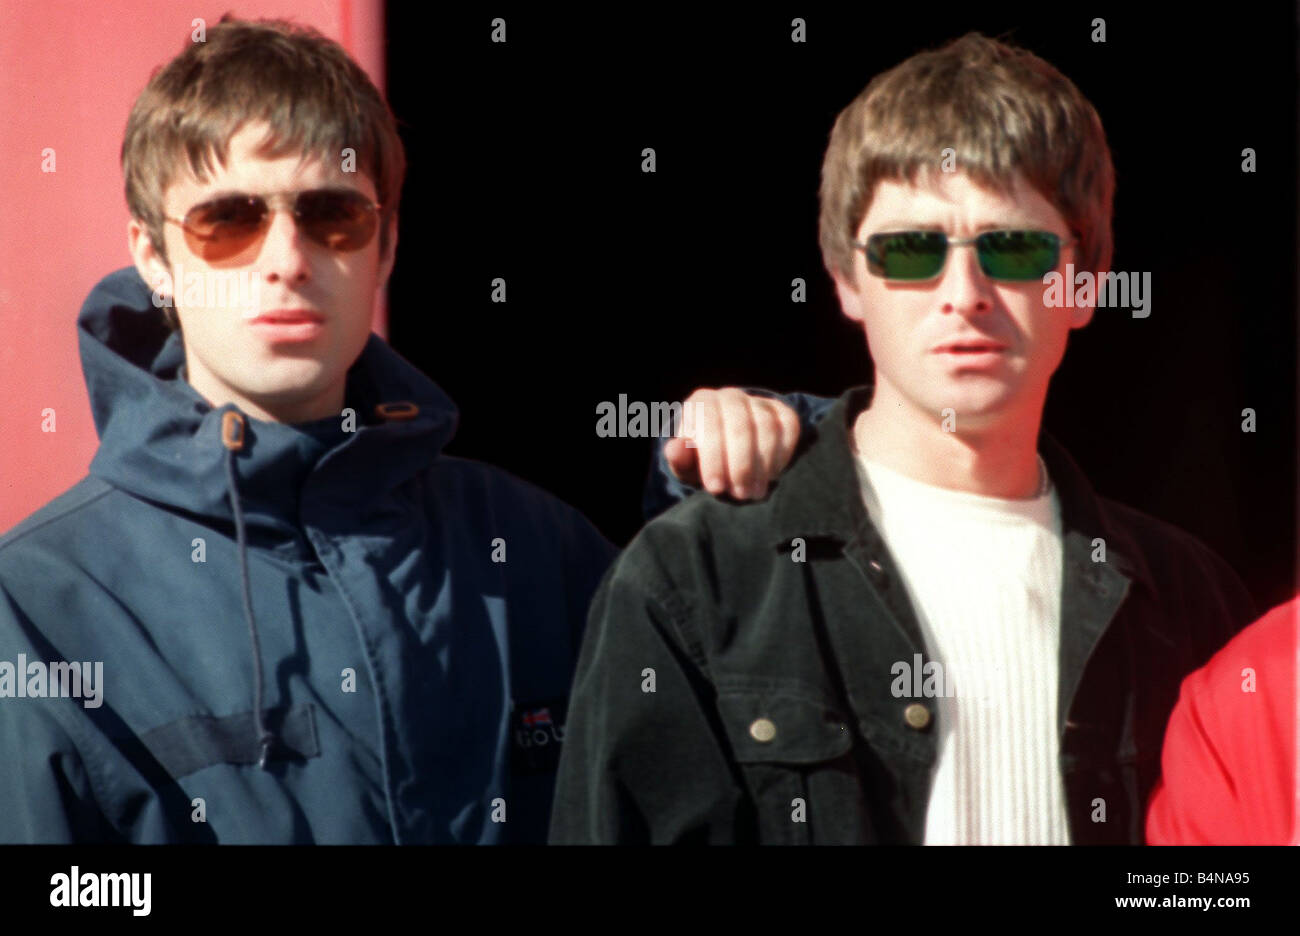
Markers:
(1014, 256)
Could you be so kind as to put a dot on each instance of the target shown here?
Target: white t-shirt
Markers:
(984, 576)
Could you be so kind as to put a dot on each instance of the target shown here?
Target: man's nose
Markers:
(284, 251)
(963, 287)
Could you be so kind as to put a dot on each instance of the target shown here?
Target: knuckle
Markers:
(702, 397)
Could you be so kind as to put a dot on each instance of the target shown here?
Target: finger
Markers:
(790, 430)
(710, 445)
(681, 461)
(767, 442)
(741, 453)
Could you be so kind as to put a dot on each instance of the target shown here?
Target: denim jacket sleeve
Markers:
(663, 489)
(641, 761)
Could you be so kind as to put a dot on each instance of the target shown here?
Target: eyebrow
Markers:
(330, 187)
(1019, 224)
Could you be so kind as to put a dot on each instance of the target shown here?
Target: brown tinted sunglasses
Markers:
(224, 227)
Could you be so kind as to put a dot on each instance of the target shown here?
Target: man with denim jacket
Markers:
(934, 630)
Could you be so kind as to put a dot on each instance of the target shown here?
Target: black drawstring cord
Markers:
(232, 435)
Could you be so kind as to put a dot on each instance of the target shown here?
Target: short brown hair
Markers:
(1001, 109)
(315, 98)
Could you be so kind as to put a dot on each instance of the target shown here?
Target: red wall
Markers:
(69, 73)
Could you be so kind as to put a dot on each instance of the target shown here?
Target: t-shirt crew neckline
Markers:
(1034, 508)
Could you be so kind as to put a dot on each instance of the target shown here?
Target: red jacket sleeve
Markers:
(1229, 761)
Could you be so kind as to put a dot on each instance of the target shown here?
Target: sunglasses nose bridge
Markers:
(268, 241)
(273, 237)
(952, 242)
(276, 206)
(280, 201)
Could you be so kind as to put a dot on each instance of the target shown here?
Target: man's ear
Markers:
(390, 257)
(148, 262)
(850, 298)
(1082, 315)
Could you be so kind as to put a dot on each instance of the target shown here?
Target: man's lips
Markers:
(973, 346)
(289, 317)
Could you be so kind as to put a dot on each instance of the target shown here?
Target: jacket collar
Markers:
(818, 498)
(162, 442)
(810, 499)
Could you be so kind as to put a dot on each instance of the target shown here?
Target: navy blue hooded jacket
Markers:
(409, 620)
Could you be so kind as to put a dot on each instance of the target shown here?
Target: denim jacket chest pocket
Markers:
(794, 750)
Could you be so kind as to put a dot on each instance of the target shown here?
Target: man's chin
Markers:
(977, 403)
(288, 395)
(281, 376)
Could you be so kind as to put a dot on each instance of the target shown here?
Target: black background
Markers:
(525, 163)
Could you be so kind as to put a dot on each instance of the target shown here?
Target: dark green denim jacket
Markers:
(728, 693)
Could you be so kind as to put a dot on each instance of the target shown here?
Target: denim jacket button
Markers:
(762, 730)
(917, 716)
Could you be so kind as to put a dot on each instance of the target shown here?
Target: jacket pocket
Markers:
(794, 752)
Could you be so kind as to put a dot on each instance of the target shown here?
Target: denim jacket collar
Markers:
(810, 502)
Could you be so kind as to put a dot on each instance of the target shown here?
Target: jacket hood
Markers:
(161, 441)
